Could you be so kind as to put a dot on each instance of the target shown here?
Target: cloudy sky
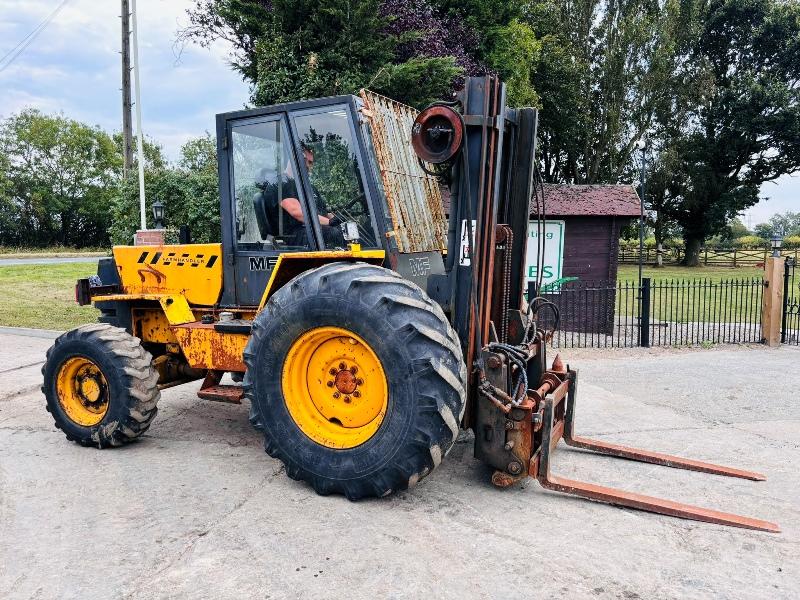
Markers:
(74, 67)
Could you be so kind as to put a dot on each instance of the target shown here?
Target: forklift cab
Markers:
(290, 175)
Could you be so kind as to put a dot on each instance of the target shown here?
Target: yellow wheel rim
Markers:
(334, 387)
(82, 391)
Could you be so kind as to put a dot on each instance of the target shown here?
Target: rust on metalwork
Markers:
(502, 479)
(437, 134)
(206, 348)
(345, 382)
(413, 197)
(211, 389)
(657, 458)
(558, 421)
(558, 365)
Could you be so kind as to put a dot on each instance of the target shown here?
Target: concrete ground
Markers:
(196, 509)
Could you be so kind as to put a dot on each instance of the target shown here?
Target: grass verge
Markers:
(43, 296)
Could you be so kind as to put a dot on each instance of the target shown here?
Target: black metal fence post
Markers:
(644, 315)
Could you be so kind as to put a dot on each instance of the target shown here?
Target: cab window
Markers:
(330, 164)
(268, 202)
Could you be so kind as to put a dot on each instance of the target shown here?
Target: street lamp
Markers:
(776, 242)
(158, 214)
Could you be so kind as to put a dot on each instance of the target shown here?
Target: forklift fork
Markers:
(558, 420)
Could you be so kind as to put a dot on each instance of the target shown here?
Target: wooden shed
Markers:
(592, 217)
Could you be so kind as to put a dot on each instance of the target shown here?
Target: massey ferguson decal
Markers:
(177, 259)
(262, 263)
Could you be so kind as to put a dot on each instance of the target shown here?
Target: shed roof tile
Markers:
(589, 200)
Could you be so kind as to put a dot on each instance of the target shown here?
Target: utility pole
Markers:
(127, 124)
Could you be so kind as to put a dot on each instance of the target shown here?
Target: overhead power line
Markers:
(12, 55)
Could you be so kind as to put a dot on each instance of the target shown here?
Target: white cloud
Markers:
(74, 67)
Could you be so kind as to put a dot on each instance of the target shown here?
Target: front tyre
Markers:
(356, 379)
(100, 386)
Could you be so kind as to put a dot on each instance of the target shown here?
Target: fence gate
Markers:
(790, 322)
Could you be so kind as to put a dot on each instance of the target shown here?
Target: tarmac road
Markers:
(196, 509)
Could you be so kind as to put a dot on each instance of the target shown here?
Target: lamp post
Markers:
(776, 242)
(158, 214)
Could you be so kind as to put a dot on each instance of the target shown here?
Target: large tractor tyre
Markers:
(100, 386)
(356, 379)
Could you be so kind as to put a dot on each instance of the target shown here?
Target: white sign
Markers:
(464, 244)
(553, 262)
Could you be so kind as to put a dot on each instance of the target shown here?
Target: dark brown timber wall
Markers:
(591, 247)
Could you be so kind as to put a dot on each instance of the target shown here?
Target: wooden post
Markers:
(772, 303)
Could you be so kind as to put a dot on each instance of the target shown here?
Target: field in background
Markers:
(631, 273)
(43, 296)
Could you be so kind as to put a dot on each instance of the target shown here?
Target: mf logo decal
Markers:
(262, 263)
(420, 267)
(177, 259)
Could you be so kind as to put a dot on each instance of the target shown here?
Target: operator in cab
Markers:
(281, 197)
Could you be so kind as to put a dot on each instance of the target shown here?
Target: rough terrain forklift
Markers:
(369, 321)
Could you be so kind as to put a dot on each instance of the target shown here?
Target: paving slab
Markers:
(196, 509)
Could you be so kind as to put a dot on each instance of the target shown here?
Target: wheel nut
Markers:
(332, 371)
(336, 394)
(347, 399)
(354, 370)
(356, 394)
(330, 384)
(341, 366)
(359, 381)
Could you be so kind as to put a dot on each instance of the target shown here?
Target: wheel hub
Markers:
(82, 391)
(334, 387)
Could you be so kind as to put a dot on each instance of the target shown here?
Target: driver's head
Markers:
(308, 155)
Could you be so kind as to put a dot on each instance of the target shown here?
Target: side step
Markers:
(213, 390)
(552, 431)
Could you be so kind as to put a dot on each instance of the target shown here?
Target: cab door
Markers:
(267, 203)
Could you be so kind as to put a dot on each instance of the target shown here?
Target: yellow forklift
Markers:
(364, 319)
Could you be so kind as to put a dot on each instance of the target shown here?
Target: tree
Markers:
(602, 76)
(56, 175)
(742, 124)
(291, 50)
(783, 224)
(189, 191)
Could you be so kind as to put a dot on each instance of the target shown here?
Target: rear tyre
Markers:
(100, 386)
(356, 379)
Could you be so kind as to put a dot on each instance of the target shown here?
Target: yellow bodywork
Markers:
(334, 387)
(186, 280)
(193, 271)
(291, 265)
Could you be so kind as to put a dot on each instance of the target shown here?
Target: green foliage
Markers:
(783, 224)
(292, 50)
(750, 241)
(400, 81)
(603, 71)
(736, 229)
(792, 242)
(56, 177)
(738, 107)
(334, 172)
(189, 192)
(413, 51)
(513, 52)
